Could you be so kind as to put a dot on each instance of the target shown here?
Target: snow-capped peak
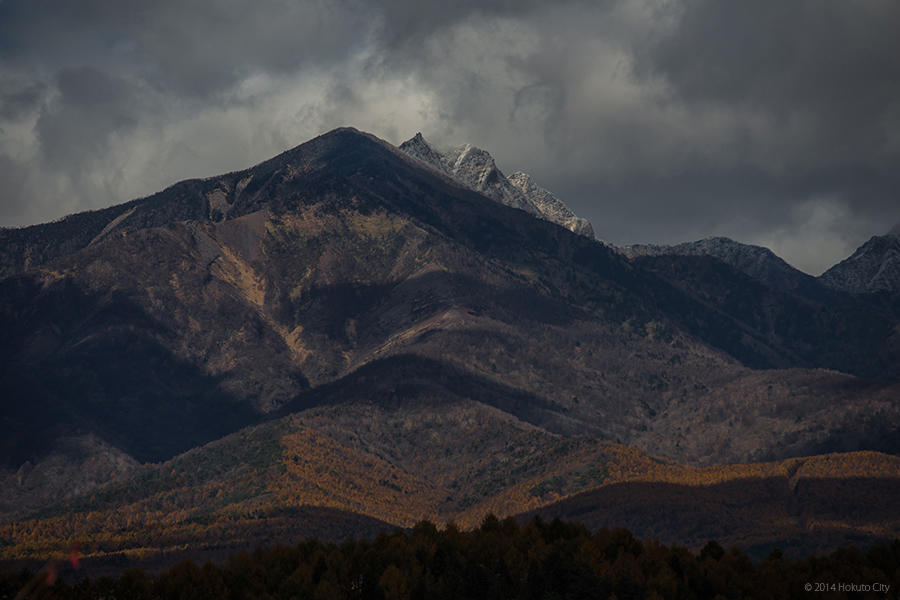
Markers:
(475, 168)
(419, 148)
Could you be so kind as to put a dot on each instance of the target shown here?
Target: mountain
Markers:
(476, 169)
(235, 294)
(346, 327)
(800, 320)
(874, 267)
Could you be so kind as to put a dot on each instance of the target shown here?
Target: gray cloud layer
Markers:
(770, 122)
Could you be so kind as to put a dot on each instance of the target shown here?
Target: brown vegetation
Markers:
(398, 466)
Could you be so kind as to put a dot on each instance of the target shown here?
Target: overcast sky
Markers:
(771, 122)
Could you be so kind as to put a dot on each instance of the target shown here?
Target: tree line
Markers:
(501, 559)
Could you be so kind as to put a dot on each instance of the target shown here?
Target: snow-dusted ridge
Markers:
(475, 168)
(756, 261)
(551, 207)
(874, 267)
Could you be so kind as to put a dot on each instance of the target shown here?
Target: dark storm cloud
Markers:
(196, 46)
(813, 91)
(407, 22)
(19, 97)
(771, 122)
(833, 65)
(90, 107)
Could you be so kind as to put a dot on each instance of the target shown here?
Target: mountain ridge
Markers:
(95, 224)
(756, 261)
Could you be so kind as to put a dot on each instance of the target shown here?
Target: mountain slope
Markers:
(345, 271)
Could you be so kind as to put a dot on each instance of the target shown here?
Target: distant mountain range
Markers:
(396, 333)
(873, 268)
